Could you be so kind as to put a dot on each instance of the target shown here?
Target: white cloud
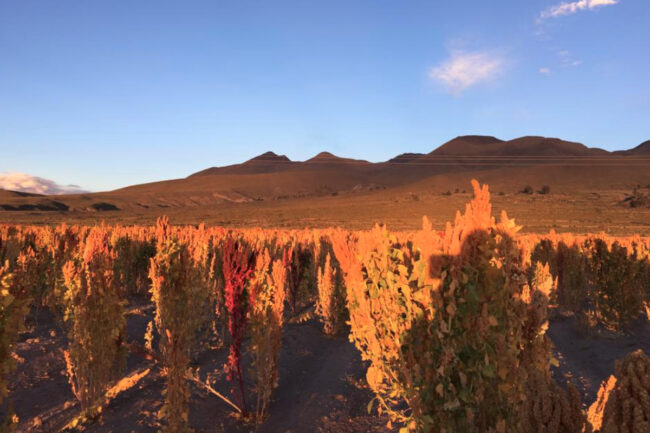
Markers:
(33, 184)
(570, 8)
(545, 71)
(464, 70)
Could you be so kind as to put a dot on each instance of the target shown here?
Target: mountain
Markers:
(467, 150)
(273, 178)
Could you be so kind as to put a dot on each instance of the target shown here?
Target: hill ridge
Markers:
(268, 156)
(460, 148)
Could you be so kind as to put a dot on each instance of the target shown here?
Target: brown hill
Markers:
(329, 158)
(641, 150)
(267, 162)
(468, 145)
(270, 162)
(7, 194)
(405, 158)
(267, 157)
(530, 146)
(25, 201)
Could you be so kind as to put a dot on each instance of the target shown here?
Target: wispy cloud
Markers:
(564, 60)
(567, 59)
(570, 8)
(33, 184)
(463, 70)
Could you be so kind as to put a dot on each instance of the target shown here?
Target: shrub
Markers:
(527, 190)
(545, 190)
(95, 315)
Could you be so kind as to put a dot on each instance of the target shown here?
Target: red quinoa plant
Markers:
(238, 262)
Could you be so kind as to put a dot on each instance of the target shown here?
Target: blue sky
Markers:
(105, 94)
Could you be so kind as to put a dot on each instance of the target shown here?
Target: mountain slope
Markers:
(268, 162)
(467, 145)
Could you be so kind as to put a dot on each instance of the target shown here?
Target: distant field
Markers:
(578, 212)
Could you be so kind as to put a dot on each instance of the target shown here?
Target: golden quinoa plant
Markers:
(267, 292)
(550, 409)
(618, 283)
(623, 404)
(94, 314)
(330, 304)
(441, 318)
(179, 290)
